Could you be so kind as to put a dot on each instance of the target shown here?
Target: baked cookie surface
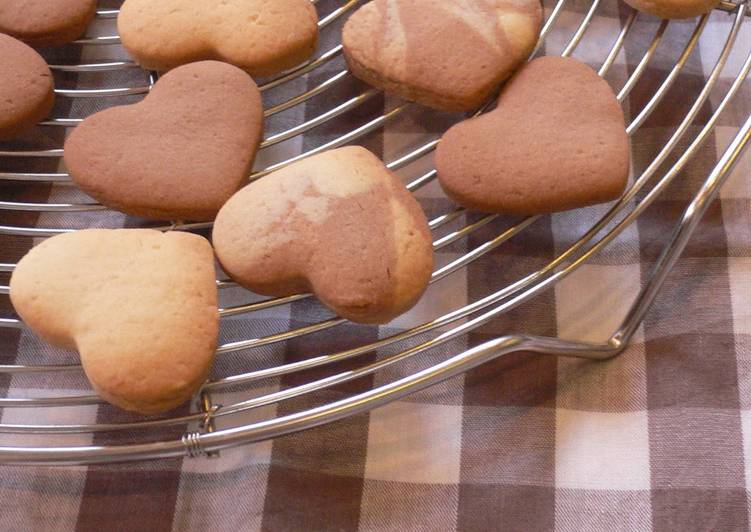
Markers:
(338, 224)
(449, 55)
(46, 22)
(556, 141)
(262, 37)
(177, 155)
(672, 9)
(140, 307)
(27, 90)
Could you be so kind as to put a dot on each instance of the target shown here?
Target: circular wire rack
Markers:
(311, 108)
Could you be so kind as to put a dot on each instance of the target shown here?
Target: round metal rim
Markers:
(230, 437)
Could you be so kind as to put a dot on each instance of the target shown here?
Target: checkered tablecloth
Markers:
(656, 439)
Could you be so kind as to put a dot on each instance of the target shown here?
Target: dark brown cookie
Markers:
(556, 141)
(27, 90)
(449, 55)
(338, 224)
(177, 155)
(46, 22)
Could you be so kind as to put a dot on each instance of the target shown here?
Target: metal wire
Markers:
(202, 435)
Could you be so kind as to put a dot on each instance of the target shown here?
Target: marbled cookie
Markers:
(140, 306)
(674, 8)
(46, 22)
(177, 155)
(338, 224)
(449, 55)
(27, 90)
(262, 37)
(556, 141)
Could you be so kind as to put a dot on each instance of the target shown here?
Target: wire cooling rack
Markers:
(219, 418)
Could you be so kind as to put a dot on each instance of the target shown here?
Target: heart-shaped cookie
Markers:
(27, 90)
(46, 22)
(449, 55)
(674, 8)
(260, 36)
(556, 141)
(177, 155)
(338, 224)
(140, 306)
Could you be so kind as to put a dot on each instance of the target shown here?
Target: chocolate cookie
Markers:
(260, 36)
(27, 90)
(449, 55)
(140, 306)
(556, 141)
(46, 22)
(338, 224)
(674, 8)
(177, 155)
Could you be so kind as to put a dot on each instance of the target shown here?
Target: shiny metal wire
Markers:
(213, 426)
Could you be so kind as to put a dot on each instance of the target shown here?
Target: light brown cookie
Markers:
(338, 224)
(449, 55)
(46, 22)
(674, 8)
(262, 37)
(27, 90)
(140, 306)
(556, 141)
(180, 153)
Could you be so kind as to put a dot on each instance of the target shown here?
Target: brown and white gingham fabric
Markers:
(656, 439)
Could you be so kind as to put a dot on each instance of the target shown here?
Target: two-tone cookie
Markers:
(46, 22)
(180, 153)
(260, 36)
(140, 307)
(449, 55)
(337, 224)
(556, 141)
(27, 90)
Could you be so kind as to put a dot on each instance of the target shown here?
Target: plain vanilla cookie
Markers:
(338, 224)
(556, 141)
(177, 155)
(674, 8)
(449, 55)
(27, 90)
(46, 22)
(140, 306)
(262, 37)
